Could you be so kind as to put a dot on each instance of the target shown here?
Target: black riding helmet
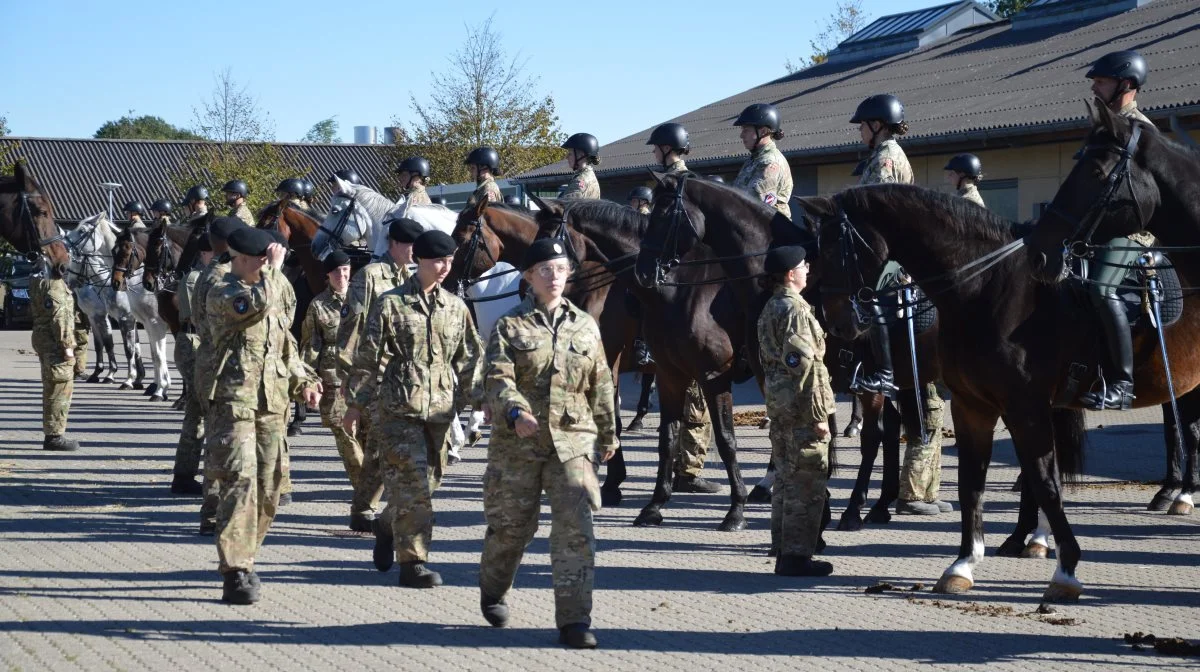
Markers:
(236, 187)
(880, 107)
(759, 114)
(347, 174)
(670, 134)
(644, 193)
(196, 193)
(161, 205)
(967, 164)
(308, 187)
(135, 206)
(484, 156)
(292, 185)
(417, 165)
(1121, 65)
(584, 142)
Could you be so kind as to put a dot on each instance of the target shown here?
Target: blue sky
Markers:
(613, 67)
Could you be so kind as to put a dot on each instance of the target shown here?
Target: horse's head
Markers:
(346, 224)
(160, 257)
(30, 216)
(1109, 193)
(676, 225)
(479, 247)
(127, 258)
(849, 260)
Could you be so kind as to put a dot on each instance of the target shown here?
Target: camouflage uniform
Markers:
(318, 343)
(417, 196)
(191, 437)
(583, 184)
(887, 165)
(644, 210)
(553, 367)
(430, 347)
(767, 176)
(202, 369)
(243, 213)
(792, 351)
(365, 288)
(256, 368)
(83, 332)
(971, 192)
(677, 166)
(1130, 111)
(487, 189)
(53, 310)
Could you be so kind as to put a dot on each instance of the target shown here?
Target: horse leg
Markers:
(1171, 482)
(458, 439)
(614, 476)
(1189, 409)
(299, 415)
(869, 439)
(721, 412)
(133, 350)
(643, 406)
(671, 399)
(973, 431)
(889, 489)
(1027, 521)
(474, 428)
(109, 349)
(855, 426)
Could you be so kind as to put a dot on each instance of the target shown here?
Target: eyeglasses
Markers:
(548, 271)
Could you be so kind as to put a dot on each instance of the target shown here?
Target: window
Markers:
(1001, 198)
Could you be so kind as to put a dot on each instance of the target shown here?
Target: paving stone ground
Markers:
(102, 569)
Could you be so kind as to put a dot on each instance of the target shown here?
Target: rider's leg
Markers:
(1106, 273)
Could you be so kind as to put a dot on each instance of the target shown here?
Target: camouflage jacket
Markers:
(187, 294)
(792, 351)
(243, 213)
(53, 311)
(430, 348)
(583, 184)
(971, 192)
(556, 370)
(366, 286)
(1131, 111)
(677, 166)
(887, 165)
(487, 189)
(767, 176)
(318, 336)
(644, 210)
(417, 196)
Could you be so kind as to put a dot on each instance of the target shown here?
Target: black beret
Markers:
(405, 230)
(204, 244)
(222, 227)
(250, 241)
(434, 244)
(541, 250)
(783, 259)
(336, 259)
(277, 236)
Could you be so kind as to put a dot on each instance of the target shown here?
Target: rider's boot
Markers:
(1118, 391)
(881, 380)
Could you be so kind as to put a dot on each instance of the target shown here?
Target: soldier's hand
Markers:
(608, 454)
(526, 425)
(821, 429)
(350, 420)
(312, 395)
(487, 415)
(69, 353)
(276, 254)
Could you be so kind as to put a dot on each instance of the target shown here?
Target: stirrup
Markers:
(859, 384)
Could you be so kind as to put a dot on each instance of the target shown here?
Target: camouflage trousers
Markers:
(82, 334)
(921, 476)
(801, 475)
(58, 383)
(246, 454)
(369, 489)
(333, 408)
(695, 433)
(412, 459)
(191, 436)
(513, 483)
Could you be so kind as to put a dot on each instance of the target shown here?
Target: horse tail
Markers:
(1070, 439)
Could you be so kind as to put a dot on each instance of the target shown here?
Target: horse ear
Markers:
(25, 177)
(1105, 117)
(660, 178)
(481, 207)
(539, 202)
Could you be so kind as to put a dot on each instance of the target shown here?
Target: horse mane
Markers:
(965, 220)
(624, 217)
(730, 191)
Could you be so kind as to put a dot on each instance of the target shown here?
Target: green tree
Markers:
(1006, 8)
(231, 114)
(145, 127)
(263, 166)
(847, 18)
(324, 131)
(483, 98)
(3, 126)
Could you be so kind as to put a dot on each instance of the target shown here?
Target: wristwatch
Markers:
(512, 417)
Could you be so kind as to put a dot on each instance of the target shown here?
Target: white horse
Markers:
(145, 307)
(91, 246)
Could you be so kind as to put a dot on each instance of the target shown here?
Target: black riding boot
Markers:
(881, 381)
(1118, 391)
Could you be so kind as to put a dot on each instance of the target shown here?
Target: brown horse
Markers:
(165, 248)
(27, 220)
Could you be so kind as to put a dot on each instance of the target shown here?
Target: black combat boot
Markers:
(300, 414)
(239, 588)
(384, 554)
(801, 565)
(362, 522)
(186, 485)
(1118, 392)
(495, 610)
(881, 381)
(60, 443)
(417, 575)
(577, 636)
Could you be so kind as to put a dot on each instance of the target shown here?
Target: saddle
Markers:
(923, 311)
(1134, 292)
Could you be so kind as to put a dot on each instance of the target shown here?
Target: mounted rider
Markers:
(484, 164)
(307, 190)
(1116, 79)
(639, 199)
(670, 141)
(135, 211)
(583, 152)
(963, 172)
(195, 203)
(236, 192)
(160, 211)
(292, 189)
(412, 174)
(766, 174)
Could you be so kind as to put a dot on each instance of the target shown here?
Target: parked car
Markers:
(14, 290)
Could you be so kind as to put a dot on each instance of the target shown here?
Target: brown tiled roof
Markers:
(73, 169)
(986, 83)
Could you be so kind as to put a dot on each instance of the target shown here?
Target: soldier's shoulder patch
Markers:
(345, 309)
(885, 163)
(771, 170)
(48, 304)
(240, 305)
(792, 359)
(770, 198)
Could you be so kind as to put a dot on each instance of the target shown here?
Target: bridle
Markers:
(133, 262)
(165, 266)
(668, 252)
(339, 227)
(26, 213)
(474, 244)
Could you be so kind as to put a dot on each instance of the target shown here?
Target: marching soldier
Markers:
(236, 192)
(484, 164)
(799, 402)
(412, 174)
(319, 345)
(427, 339)
(583, 152)
(256, 367)
(550, 396)
(670, 142)
(191, 436)
(135, 211)
(53, 337)
(963, 172)
(365, 288)
(639, 199)
(766, 174)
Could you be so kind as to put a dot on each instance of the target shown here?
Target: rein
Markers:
(43, 243)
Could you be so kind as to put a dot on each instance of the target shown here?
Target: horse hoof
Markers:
(759, 495)
(94, 378)
(650, 518)
(953, 584)
(138, 386)
(610, 496)
(850, 521)
(734, 522)
(634, 425)
(157, 397)
(1180, 508)
(1011, 548)
(879, 514)
(852, 430)
(1162, 501)
(1036, 551)
(1060, 592)
(125, 386)
(474, 438)
(108, 380)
